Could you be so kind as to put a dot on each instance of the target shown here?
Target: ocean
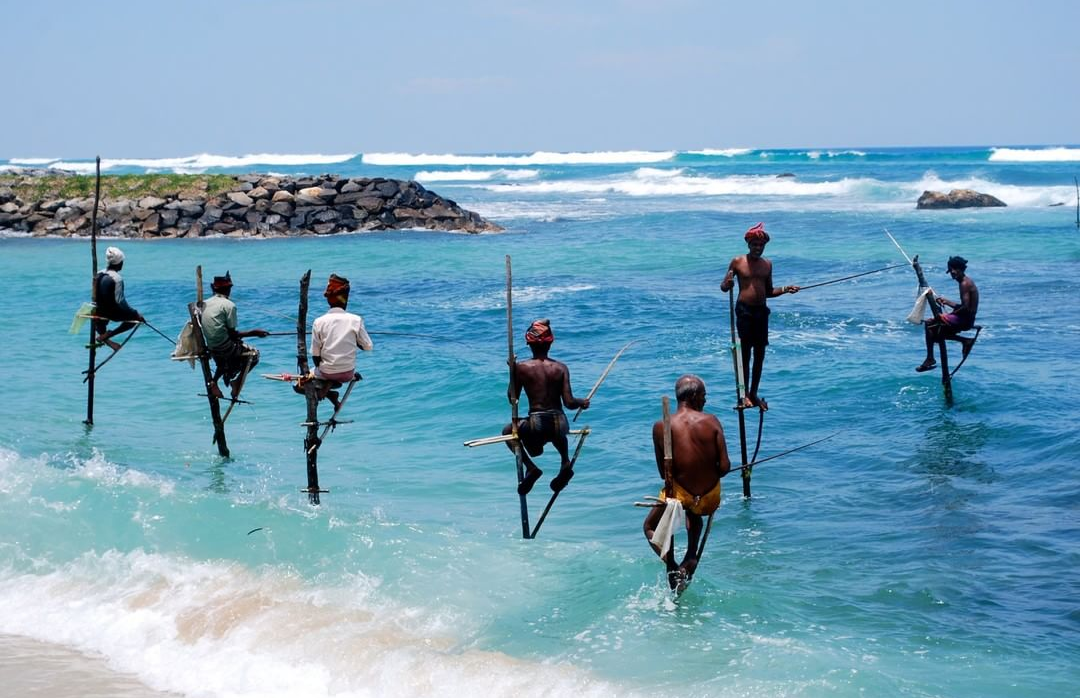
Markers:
(925, 549)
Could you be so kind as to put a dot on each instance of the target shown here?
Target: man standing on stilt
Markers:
(751, 311)
(699, 458)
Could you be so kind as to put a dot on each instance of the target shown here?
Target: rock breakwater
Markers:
(249, 205)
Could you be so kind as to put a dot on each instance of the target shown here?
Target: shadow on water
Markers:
(950, 449)
(216, 473)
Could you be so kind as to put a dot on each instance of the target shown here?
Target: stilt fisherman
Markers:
(224, 341)
(547, 384)
(112, 305)
(699, 458)
(335, 337)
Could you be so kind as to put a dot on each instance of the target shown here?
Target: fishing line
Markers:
(853, 276)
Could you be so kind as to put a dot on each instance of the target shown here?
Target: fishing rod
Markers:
(784, 453)
(657, 503)
(603, 375)
(853, 276)
(377, 332)
(909, 261)
(163, 335)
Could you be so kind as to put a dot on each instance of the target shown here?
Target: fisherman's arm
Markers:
(771, 292)
(723, 462)
(658, 447)
(363, 339)
(729, 278)
(571, 402)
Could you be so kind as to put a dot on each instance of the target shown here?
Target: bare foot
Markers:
(759, 402)
(531, 476)
(102, 339)
(562, 479)
(926, 366)
(216, 391)
(744, 403)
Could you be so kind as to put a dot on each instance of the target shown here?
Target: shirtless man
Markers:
(547, 383)
(961, 318)
(699, 458)
(112, 306)
(751, 312)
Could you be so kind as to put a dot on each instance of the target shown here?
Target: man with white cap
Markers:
(111, 304)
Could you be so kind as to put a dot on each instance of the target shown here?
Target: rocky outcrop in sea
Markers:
(957, 198)
(259, 205)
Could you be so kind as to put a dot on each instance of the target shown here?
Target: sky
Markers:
(143, 78)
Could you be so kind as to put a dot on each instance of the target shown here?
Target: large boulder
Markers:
(957, 198)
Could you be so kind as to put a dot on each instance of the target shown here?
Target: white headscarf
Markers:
(114, 256)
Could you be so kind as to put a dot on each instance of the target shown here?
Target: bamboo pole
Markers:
(203, 354)
(311, 439)
(740, 395)
(935, 308)
(555, 495)
(512, 363)
(93, 294)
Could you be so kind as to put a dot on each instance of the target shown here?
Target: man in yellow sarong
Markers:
(699, 458)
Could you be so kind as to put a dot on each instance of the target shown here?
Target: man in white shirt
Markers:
(335, 337)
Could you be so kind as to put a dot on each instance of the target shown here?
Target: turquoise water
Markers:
(924, 550)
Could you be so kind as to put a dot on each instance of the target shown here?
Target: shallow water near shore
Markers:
(921, 551)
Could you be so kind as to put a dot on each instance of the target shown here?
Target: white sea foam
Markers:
(655, 182)
(33, 162)
(203, 162)
(522, 295)
(818, 154)
(220, 629)
(1060, 154)
(723, 152)
(474, 175)
(649, 181)
(620, 157)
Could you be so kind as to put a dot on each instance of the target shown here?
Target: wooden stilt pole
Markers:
(93, 294)
(311, 397)
(512, 362)
(740, 395)
(935, 308)
(195, 312)
(555, 495)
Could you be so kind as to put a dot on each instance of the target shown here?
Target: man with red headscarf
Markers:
(751, 311)
(335, 337)
(547, 383)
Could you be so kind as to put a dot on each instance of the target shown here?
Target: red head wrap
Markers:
(539, 333)
(336, 286)
(757, 233)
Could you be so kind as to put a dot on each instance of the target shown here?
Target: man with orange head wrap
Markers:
(751, 311)
(335, 337)
(547, 383)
